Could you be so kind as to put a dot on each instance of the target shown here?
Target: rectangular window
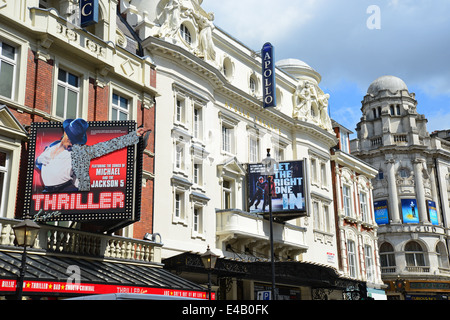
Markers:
(3, 174)
(314, 170)
(364, 208)
(254, 150)
(326, 219)
(197, 174)
(227, 194)
(8, 63)
(351, 258)
(179, 112)
(198, 123)
(68, 91)
(323, 174)
(120, 108)
(347, 201)
(179, 156)
(344, 142)
(317, 224)
(369, 263)
(197, 222)
(226, 139)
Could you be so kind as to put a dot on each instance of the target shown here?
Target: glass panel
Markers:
(2, 181)
(62, 75)
(73, 80)
(124, 103)
(115, 99)
(123, 116)
(60, 101)
(114, 114)
(6, 79)
(8, 51)
(72, 104)
(2, 159)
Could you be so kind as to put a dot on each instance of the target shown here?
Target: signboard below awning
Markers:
(48, 275)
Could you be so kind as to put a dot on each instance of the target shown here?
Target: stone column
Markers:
(393, 194)
(420, 191)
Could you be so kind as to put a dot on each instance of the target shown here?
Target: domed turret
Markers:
(299, 69)
(391, 83)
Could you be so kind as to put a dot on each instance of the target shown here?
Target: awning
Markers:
(48, 275)
(288, 272)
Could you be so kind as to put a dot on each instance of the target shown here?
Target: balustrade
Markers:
(74, 242)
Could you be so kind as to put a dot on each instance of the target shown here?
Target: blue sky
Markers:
(333, 37)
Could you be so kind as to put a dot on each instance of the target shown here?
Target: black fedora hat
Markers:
(76, 130)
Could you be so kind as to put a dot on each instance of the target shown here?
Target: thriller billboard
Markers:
(84, 171)
(288, 190)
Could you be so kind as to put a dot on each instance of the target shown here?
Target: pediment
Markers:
(233, 166)
(10, 126)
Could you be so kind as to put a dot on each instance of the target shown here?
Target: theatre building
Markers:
(62, 61)
(411, 190)
(211, 133)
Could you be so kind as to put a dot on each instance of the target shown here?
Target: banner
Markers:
(409, 211)
(268, 71)
(381, 212)
(432, 212)
(287, 184)
(101, 186)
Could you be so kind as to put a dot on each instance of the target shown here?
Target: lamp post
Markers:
(209, 260)
(25, 233)
(269, 170)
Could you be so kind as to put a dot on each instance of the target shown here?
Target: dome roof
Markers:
(292, 63)
(299, 69)
(391, 83)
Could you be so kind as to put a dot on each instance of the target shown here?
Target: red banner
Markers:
(48, 287)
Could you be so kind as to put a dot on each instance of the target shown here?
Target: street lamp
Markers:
(209, 260)
(269, 170)
(26, 233)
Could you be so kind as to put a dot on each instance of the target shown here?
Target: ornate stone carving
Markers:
(311, 104)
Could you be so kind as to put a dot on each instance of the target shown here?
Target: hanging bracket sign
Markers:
(268, 71)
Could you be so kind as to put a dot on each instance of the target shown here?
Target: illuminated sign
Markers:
(288, 191)
(381, 212)
(432, 211)
(410, 211)
(88, 12)
(268, 71)
(50, 287)
(93, 178)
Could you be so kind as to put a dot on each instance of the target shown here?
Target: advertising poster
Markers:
(409, 211)
(432, 212)
(381, 212)
(288, 192)
(104, 160)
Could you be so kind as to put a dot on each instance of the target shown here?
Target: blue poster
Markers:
(409, 211)
(381, 212)
(432, 211)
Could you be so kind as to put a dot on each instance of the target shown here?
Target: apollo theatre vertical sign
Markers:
(268, 71)
(89, 12)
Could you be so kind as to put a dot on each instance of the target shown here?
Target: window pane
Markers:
(62, 75)
(72, 102)
(2, 159)
(73, 80)
(115, 99)
(123, 116)
(60, 101)
(124, 103)
(2, 181)
(6, 79)
(114, 114)
(8, 51)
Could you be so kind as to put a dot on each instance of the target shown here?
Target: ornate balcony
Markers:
(57, 240)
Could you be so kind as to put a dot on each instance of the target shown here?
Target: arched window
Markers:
(186, 34)
(387, 255)
(442, 256)
(414, 255)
